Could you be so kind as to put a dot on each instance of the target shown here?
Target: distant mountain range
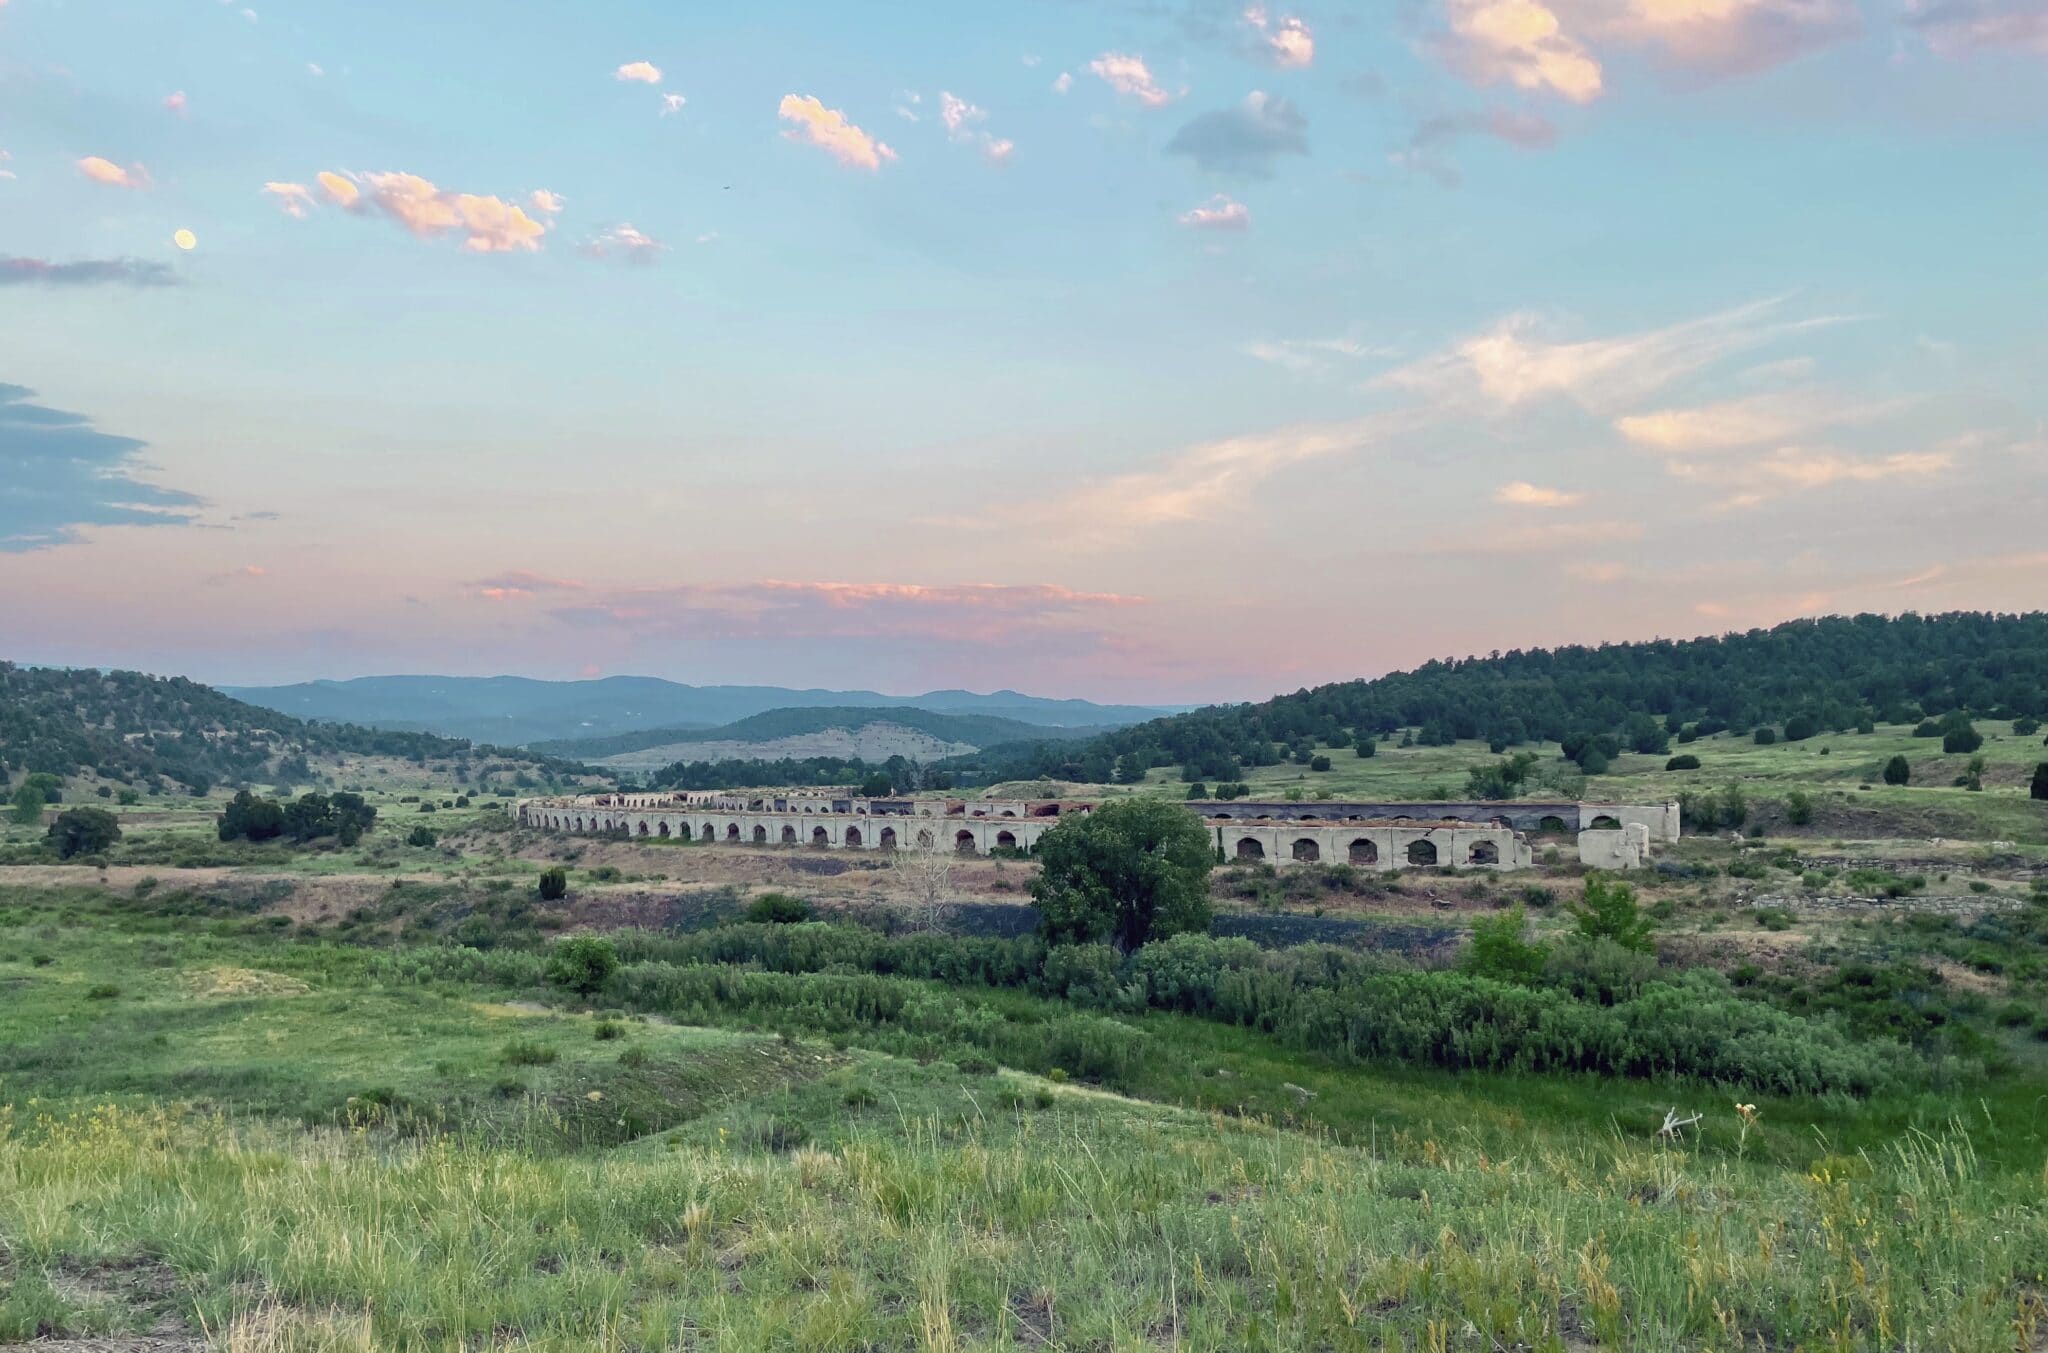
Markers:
(827, 730)
(516, 711)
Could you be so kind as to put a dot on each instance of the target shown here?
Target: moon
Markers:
(185, 239)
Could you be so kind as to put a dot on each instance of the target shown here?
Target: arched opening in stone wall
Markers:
(732, 831)
(1364, 852)
(664, 830)
(887, 841)
(1484, 852)
(1006, 840)
(760, 835)
(643, 827)
(963, 843)
(853, 841)
(1249, 848)
(707, 833)
(1422, 852)
(820, 837)
(1605, 823)
(1307, 851)
(1046, 810)
(1551, 824)
(924, 840)
(789, 836)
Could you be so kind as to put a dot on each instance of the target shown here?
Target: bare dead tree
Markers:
(928, 878)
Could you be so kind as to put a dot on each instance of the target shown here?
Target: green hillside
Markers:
(975, 730)
(143, 730)
(1831, 674)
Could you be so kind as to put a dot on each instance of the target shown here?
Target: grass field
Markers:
(219, 1128)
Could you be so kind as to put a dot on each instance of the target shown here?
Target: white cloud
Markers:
(961, 120)
(830, 131)
(625, 242)
(1286, 41)
(113, 175)
(1128, 74)
(1218, 213)
(672, 103)
(638, 72)
(1063, 83)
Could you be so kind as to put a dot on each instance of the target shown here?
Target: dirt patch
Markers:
(1962, 978)
(138, 1291)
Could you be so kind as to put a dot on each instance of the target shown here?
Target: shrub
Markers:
(1772, 918)
(778, 909)
(1499, 951)
(582, 964)
(526, 1052)
(608, 1030)
(1319, 763)
(102, 991)
(553, 884)
(1799, 808)
(2039, 788)
(1607, 910)
(1800, 727)
(1683, 761)
(1765, 736)
(1898, 771)
(84, 831)
(1961, 740)
(2026, 726)
(421, 836)
(1367, 747)
(1928, 728)
(635, 1057)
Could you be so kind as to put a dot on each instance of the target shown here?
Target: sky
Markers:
(1154, 350)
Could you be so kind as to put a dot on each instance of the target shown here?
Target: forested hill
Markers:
(975, 730)
(1837, 670)
(139, 729)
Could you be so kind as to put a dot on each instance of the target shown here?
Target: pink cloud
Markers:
(1128, 74)
(293, 199)
(1729, 37)
(1063, 82)
(830, 131)
(1521, 493)
(1521, 43)
(960, 118)
(1218, 213)
(488, 225)
(113, 175)
(176, 102)
(1287, 41)
(638, 72)
(777, 609)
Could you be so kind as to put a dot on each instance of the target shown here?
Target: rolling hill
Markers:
(137, 729)
(871, 734)
(516, 711)
(1837, 671)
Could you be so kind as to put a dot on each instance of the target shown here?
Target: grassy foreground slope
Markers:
(214, 1124)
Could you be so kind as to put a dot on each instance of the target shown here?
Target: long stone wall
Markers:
(1378, 845)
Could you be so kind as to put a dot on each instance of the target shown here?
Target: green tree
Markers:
(1683, 761)
(2039, 788)
(1798, 808)
(1961, 738)
(1898, 771)
(248, 817)
(1132, 870)
(84, 831)
(1608, 911)
(1198, 790)
(583, 964)
(26, 806)
(1319, 763)
(1367, 747)
(553, 884)
(877, 786)
(1499, 951)
(1765, 736)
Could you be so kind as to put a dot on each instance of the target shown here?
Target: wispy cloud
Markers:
(776, 609)
(624, 242)
(1521, 493)
(487, 224)
(175, 102)
(1966, 27)
(113, 175)
(1537, 538)
(962, 122)
(1128, 74)
(1247, 139)
(1314, 355)
(1752, 481)
(830, 131)
(1424, 153)
(1218, 213)
(85, 272)
(1514, 363)
(1287, 41)
(1724, 37)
